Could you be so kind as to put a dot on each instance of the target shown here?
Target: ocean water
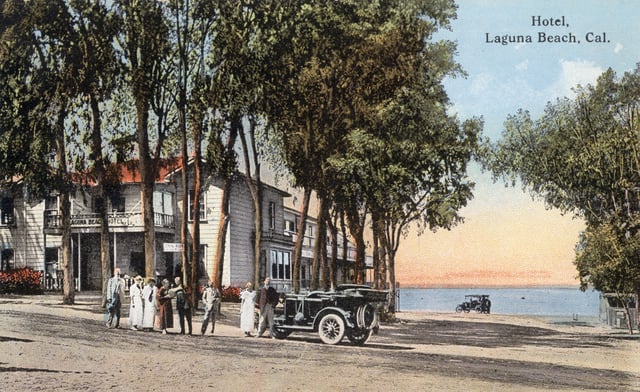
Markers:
(564, 302)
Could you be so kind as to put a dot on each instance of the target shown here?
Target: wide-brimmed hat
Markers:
(150, 280)
(138, 278)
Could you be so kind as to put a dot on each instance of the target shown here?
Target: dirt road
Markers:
(47, 346)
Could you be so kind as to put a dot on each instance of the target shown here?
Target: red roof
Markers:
(130, 171)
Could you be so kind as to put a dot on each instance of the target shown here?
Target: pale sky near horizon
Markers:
(507, 238)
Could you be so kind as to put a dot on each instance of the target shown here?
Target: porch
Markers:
(118, 221)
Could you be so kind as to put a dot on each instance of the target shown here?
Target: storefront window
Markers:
(280, 264)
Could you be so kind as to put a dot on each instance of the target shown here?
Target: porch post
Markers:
(79, 262)
(115, 251)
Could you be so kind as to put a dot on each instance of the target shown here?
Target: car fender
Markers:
(335, 310)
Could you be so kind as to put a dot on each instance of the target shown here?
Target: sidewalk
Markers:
(88, 306)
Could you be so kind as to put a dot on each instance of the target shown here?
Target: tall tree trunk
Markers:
(195, 250)
(101, 200)
(333, 262)
(319, 243)
(184, 175)
(223, 223)
(147, 174)
(356, 220)
(68, 287)
(221, 242)
(383, 252)
(254, 183)
(391, 243)
(297, 249)
(346, 278)
(391, 278)
(376, 259)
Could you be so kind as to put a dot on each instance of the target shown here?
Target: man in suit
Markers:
(115, 294)
(267, 301)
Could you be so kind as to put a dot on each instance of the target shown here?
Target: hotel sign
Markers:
(172, 247)
(114, 220)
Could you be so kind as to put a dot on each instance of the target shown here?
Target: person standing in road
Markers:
(268, 301)
(182, 304)
(211, 300)
(149, 298)
(247, 309)
(165, 311)
(115, 294)
(135, 307)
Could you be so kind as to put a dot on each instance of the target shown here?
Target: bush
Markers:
(20, 281)
(231, 294)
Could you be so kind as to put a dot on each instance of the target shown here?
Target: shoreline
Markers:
(91, 300)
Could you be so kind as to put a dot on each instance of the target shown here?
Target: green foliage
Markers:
(581, 156)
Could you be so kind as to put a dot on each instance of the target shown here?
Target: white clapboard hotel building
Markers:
(30, 232)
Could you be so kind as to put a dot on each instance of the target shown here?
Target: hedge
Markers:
(20, 281)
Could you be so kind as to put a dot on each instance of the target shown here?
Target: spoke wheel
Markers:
(458, 309)
(331, 329)
(358, 336)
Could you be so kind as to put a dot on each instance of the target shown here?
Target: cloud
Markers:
(481, 83)
(574, 73)
(618, 48)
(523, 66)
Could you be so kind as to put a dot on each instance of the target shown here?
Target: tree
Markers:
(609, 260)
(146, 46)
(581, 156)
(43, 33)
(97, 29)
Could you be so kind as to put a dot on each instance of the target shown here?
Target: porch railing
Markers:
(55, 283)
(117, 219)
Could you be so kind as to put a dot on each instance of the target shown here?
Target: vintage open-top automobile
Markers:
(478, 302)
(350, 310)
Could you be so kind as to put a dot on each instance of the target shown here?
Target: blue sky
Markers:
(503, 78)
(508, 238)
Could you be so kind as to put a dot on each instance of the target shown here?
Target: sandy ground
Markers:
(45, 345)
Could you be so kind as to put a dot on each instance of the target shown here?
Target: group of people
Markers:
(267, 301)
(150, 307)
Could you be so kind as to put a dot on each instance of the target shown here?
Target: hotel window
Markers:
(7, 217)
(7, 260)
(289, 227)
(117, 203)
(51, 204)
(280, 264)
(272, 215)
(203, 210)
(163, 202)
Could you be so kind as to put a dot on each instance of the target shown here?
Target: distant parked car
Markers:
(479, 303)
(350, 310)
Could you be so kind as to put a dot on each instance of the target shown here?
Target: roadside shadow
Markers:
(488, 335)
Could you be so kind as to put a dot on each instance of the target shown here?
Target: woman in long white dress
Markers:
(247, 309)
(149, 299)
(135, 307)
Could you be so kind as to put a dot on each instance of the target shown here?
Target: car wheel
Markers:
(458, 309)
(331, 329)
(280, 333)
(358, 336)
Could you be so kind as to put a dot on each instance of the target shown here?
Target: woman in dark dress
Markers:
(165, 311)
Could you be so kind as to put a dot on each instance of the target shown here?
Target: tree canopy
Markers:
(581, 156)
